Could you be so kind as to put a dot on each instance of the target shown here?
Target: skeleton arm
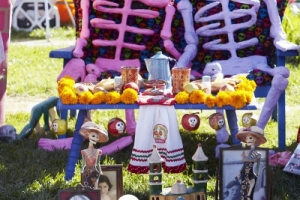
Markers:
(190, 51)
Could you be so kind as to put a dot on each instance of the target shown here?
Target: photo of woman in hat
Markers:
(91, 169)
(253, 136)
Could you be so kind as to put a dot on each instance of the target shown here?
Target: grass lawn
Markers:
(27, 172)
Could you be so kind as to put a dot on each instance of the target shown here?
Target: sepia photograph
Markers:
(111, 182)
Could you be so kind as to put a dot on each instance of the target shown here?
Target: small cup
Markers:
(130, 74)
(180, 77)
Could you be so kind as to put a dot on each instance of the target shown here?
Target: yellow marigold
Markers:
(223, 98)
(238, 99)
(182, 97)
(249, 96)
(129, 96)
(197, 96)
(99, 97)
(67, 96)
(85, 97)
(66, 81)
(210, 100)
(112, 97)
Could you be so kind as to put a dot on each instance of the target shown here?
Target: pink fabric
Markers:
(280, 159)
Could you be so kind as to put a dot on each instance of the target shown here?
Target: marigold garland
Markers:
(85, 97)
(112, 97)
(197, 96)
(129, 96)
(182, 97)
(98, 97)
(210, 100)
(242, 95)
(68, 96)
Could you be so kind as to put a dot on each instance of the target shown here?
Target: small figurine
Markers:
(252, 136)
(91, 169)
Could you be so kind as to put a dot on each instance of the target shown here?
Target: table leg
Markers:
(233, 125)
(75, 146)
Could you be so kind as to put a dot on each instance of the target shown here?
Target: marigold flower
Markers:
(197, 96)
(182, 97)
(112, 97)
(68, 96)
(98, 97)
(210, 100)
(85, 97)
(129, 96)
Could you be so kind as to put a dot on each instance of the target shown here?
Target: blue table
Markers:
(83, 112)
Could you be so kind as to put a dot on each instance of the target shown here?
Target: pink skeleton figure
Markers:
(184, 6)
(103, 64)
(237, 65)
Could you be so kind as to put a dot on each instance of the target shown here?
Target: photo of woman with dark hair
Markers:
(105, 186)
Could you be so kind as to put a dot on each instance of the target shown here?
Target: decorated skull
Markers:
(116, 126)
(8, 133)
(190, 122)
(216, 121)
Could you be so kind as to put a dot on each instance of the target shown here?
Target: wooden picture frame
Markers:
(79, 193)
(115, 175)
(230, 166)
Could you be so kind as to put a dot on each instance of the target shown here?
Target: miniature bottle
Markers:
(206, 84)
(118, 83)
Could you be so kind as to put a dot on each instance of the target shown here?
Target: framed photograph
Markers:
(79, 193)
(293, 165)
(242, 175)
(112, 181)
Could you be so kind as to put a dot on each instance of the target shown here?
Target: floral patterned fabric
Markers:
(154, 43)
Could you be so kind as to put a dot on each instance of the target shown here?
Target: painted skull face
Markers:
(221, 122)
(55, 127)
(8, 133)
(250, 139)
(193, 121)
(120, 126)
(246, 120)
(93, 137)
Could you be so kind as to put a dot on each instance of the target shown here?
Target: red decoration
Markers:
(132, 85)
(190, 122)
(116, 126)
(298, 135)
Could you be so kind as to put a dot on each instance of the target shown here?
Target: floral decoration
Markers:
(129, 96)
(239, 98)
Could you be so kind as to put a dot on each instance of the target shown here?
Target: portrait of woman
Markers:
(105, 186)
(233, 190)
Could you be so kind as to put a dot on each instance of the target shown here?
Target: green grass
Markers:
(27, 172)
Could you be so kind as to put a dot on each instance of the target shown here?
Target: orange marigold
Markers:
(210, 100)
(129, 96)
(99, 97)
(67, 96)
(223, 98)
(112, 97)
(238, 99)
(85, 97)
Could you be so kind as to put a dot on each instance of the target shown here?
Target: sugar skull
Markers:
(190, 122)
(216, 121)
(8, 133)
(116, 126)
(59, 126)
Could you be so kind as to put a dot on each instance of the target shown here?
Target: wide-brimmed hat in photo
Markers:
(254, 131)
(89, 127)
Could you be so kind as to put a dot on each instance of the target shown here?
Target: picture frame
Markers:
(115, 175)
(230, 170)
(80, 192)
(293, 165)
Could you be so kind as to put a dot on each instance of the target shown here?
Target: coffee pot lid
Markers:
(159, 55)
